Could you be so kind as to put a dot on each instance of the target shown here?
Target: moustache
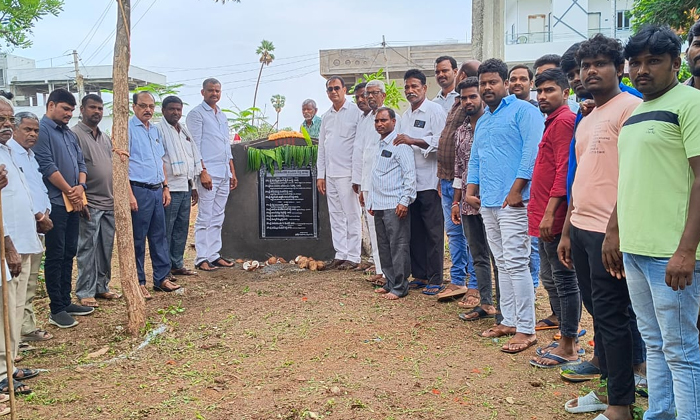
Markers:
(6, 129)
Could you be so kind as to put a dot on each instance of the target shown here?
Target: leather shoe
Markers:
(166, 286)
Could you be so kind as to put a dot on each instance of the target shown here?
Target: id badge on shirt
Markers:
(419, 124)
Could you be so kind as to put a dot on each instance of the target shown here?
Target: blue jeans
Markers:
(668, 323)
(535, 260)
(462, 262)
(177, 225)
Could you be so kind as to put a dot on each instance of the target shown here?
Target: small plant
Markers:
(170, 310)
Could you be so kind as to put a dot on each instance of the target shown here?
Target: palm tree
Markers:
(278, 104)
(266, 57)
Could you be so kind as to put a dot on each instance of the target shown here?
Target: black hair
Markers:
(137, 94)
(392, 113)
(442, 58)
(469, 82)
(170, 100)
(359, 86)
(61, 95)
(7, 95)
(494, 65)
(415, 74)
(210, 81)
(658, 40)
(555, 75)
(568, 59)
(548, 59)
(332, 78)
(693, 32)
(600, 44)
(91, 97)
(530, 74)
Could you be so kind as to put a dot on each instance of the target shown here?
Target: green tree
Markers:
(394, 95)
(278, 103)
(17, 18)
(239, 122)
(266, 57)
(678, 14)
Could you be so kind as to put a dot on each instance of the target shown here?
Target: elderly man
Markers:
(21, 242)
(62, 164)
(209, 128)
(96, 239)
(391, 193)
(334, 174)
(312, 122)
(420, 128)
(149, 195)
(25, 137)
(183, 165)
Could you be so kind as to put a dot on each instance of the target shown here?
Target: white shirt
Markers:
(25, 160)
(187, 149)
(17, 215)
(366, 135)
(446, 102)
(425, 123)
(211, 135)
(336, 141)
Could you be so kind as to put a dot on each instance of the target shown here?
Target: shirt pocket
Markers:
(385, 165)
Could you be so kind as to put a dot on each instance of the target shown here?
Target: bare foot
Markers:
(390, 296)
(381, 290)
(498, 331)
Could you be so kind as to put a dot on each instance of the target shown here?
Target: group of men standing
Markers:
(570, 180)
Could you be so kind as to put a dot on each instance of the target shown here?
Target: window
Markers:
(623, 20)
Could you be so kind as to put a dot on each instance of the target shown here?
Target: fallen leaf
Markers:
(476, 370)
(170, 362)
(98, 353)
(436, 391)
(557, 393)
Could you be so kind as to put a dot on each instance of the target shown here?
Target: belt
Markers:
(147, 186)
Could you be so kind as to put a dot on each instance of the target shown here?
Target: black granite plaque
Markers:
(288, 203)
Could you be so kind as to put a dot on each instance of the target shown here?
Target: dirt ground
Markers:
(287, 344)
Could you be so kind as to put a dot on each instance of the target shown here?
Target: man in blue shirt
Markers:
(500, 169)
(62, 165)
(149, 195)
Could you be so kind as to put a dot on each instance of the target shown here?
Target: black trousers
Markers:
(475, 232)
(608, 300)
(427, 237)
(61, 246)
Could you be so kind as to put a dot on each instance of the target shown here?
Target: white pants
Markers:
(210, 218)
(369, 219)
(344, 213)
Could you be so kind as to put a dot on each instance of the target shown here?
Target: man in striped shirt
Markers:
(393, 189)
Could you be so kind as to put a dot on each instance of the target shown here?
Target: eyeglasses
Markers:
(144, 106)
(373, 93)
(330, 89)
(4, 119)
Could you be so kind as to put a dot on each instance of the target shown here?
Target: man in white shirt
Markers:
(420, 128)
(183, 165)
(209, 128)
(334, 174)
(25, 135)
(445, 75)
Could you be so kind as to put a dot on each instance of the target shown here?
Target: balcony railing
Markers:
(549, 36)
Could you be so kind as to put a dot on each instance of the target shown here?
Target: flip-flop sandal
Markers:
(5, 409)
(17, 384)
(541, 351)
(89, 302)
(4, 398)
(451, 292)
(417, 284)
(183, 272)
(496, 332)
(560, 361)
(211, 267)
(583, 372)
(463, 303)
(433, 289)
(586, 404)
(26, 347)
(37, 335)
(217, 263)
(108, 296)
(527, 345)
(549, 325)
(26, 374)
(557, 336)
(479, 311)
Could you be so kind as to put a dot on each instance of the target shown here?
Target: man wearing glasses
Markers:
(334, 174)
(149, 195)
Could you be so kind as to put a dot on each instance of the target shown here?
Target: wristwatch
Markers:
(165, 186)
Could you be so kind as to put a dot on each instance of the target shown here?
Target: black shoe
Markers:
(62, 320)
(79, 310)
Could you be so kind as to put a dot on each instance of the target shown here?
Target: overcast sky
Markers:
(190, 40)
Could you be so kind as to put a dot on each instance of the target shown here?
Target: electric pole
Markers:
(386, 60)
(78, 76)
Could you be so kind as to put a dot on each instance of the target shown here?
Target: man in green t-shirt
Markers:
(658, 209)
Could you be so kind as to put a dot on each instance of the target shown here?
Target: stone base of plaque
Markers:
(243, 235)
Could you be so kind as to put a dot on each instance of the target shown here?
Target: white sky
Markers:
(190, 40)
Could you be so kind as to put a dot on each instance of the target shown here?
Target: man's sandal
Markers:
(209, 266)
(222, 262)
(37, 335)
(108, 296)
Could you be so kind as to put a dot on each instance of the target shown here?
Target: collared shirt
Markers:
(17, 214)
(57, 149)
(146, 153)
(366, 136)
(393, 176)
(464, 138)
(551, 166)
(446, 102)
(189, 158)
(314, 128)
(98, 160)
(505, 148)
(336, 141)
(425, 123)
(690, 82)
(211, 135)
(26, 162)
(446, 146)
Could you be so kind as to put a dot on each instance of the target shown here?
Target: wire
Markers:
(98, 22)
(406, 58)
(102, 45)
(132, 28)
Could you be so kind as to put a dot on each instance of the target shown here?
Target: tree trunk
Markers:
(255, 96)
(277, 123)
(135, 304)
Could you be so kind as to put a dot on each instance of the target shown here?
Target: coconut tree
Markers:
(278, 104)
(266, 57)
